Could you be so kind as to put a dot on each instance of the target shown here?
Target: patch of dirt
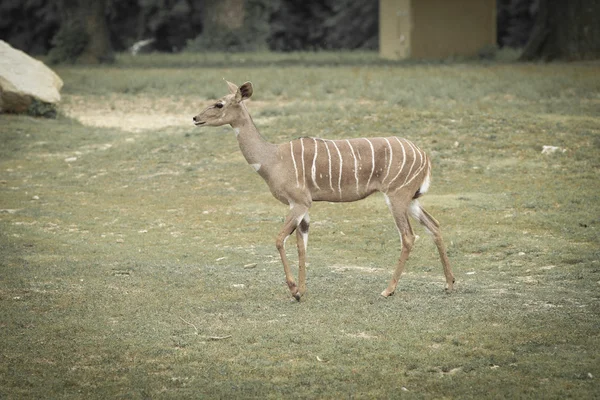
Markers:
(138, 113)
(129, 113)
(362, 335)
(345, 268)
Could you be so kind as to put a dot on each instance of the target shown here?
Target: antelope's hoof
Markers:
(294, 290)
(387, 293)
(450, 286)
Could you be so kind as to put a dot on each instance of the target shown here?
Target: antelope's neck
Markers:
(256, 150)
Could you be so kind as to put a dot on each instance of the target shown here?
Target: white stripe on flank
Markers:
(303, 168)
(329, 164)
(417, 172)
(340, 174)
(403, 161)
(313, 170)
(412, 146)
(372, 162)
(390, 163)
(294, 161)
(355, 164)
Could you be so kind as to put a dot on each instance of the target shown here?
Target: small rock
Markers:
(35, 198)
(239, 286)
(70, 159)
(552, 149)
(24, 79)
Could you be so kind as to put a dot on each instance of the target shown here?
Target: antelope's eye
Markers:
(219, 105)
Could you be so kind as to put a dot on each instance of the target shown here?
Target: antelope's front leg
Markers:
(292, 220)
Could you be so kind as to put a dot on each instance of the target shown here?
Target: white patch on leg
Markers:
(237, 131)
(306, 218)
(415, 209)
(387, 201)
(305, 240)
(256, 166)
(417, 213)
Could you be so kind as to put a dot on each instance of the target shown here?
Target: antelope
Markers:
(312, 169)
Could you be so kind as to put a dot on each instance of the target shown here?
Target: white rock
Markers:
(142, 46)
(23, 78)
(552, 149)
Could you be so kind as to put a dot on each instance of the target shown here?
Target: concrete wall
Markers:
(434, 29)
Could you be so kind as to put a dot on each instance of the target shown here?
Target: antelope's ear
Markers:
(232, 87)
(244, 92)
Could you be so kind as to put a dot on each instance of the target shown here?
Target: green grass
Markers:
(140, 263)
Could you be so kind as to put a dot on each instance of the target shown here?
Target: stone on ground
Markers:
(24, 80)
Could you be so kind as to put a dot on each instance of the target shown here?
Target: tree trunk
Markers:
(223, 14)
(565, 30)
(90, 14)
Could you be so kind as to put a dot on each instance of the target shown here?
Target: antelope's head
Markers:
(227, 109)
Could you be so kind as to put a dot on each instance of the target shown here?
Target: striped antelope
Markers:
(311, 169)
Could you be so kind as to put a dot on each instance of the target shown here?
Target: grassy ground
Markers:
(137, 252)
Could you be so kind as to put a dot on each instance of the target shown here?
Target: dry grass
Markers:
(138, 258)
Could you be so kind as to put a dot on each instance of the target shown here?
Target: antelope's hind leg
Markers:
(302, 242)
(433, 227)
(400, 213)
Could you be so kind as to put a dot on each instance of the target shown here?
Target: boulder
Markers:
(24, 80)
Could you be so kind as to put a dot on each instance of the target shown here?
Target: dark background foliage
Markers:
(282, 25)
